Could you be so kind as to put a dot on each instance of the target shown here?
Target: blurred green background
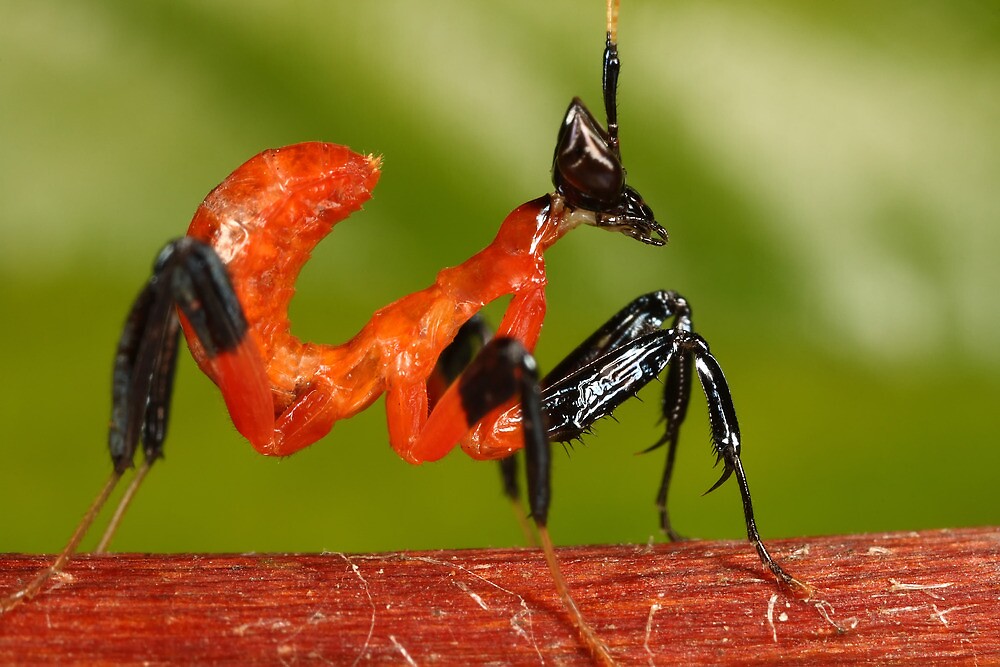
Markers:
(828, 173)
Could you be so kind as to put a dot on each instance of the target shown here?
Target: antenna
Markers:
(609, 81)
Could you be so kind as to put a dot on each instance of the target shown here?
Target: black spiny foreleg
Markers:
(726, 441)
(645, 314)
(676, 395)
(592, 390)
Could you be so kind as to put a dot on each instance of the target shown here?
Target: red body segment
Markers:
(283, 393)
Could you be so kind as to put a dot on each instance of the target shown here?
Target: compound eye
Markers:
(585, 169)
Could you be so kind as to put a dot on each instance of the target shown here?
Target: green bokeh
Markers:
(828, 176)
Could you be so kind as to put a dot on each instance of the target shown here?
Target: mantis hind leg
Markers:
(187, 276)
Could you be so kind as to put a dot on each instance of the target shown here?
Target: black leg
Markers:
(609, 83)
(187, 275)
(726, 439)
(676, 394)
(644, 315)
(574, 402)
(471, 338)
(502, 370)
(621, 358)
(135, 363)
(508, 478)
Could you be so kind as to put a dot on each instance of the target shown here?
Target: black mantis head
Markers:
(587, 167)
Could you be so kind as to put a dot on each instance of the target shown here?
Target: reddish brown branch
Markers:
(905, 598)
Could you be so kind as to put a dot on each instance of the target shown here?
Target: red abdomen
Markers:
(268, 215)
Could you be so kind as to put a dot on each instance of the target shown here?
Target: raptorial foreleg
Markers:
(621, 358)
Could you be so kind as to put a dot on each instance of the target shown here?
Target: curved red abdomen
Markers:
(263, 221)
(268, 215)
